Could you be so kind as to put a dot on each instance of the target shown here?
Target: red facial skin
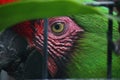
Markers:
(59, 43)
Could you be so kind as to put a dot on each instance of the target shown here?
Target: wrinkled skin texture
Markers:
(62, 35)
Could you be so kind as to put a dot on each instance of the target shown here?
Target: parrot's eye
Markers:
(58, 27)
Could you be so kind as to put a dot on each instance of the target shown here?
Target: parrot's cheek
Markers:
(60, 53)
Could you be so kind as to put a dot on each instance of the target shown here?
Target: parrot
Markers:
(81, 54)
(33, 32)
(77, 44)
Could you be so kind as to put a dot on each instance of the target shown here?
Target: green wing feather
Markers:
(90, 56)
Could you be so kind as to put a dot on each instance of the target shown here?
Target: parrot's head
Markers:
(63, 33)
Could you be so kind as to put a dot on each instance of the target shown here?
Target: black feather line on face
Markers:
(60, 61)
(63, 61)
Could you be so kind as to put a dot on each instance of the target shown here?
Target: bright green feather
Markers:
(23, 10)
(90, 56)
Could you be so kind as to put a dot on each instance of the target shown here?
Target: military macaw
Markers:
(77, 44)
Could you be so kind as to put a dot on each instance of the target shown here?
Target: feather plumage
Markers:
(89, 57)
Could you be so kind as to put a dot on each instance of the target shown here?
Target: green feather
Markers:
(40, 9)
(90, 56)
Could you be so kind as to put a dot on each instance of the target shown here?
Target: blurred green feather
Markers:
(90, 56)
(13, 13)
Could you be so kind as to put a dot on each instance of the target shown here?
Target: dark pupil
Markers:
(57, 26)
